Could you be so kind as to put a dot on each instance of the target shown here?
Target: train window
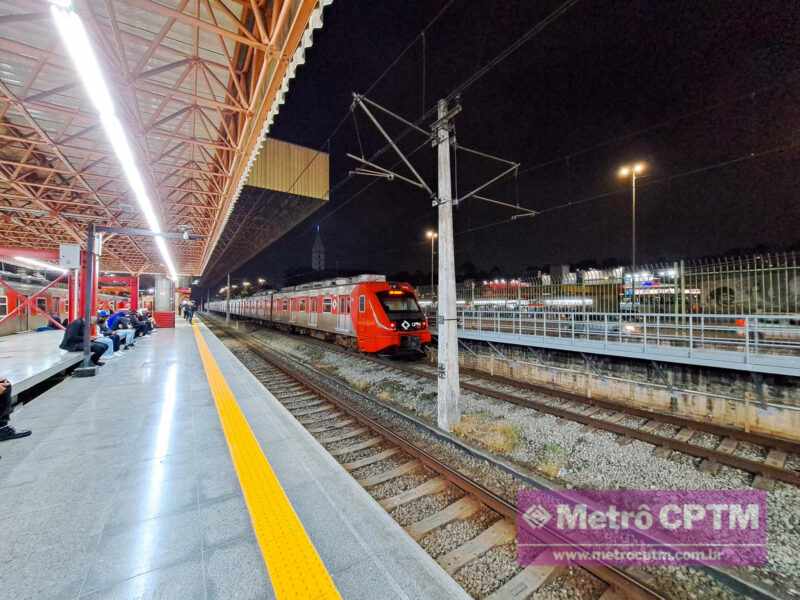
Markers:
(362, 303)
(326, 305)
(313, 305)
(400, 305)
(285, 305)
(3, 306)
(303, 305)
(41, 304)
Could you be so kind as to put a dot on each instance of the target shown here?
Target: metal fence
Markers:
(767, 343)
(757, 284)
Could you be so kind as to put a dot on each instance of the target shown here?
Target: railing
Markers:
(751, 337)
(758, 284)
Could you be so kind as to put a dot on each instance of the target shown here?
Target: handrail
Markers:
(751, 337)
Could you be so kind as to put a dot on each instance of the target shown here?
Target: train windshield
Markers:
(400, 306)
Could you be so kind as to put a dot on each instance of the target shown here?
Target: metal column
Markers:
(228, 300)
(87, 369)
(448, 410)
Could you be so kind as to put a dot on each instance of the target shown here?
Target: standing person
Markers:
(190, 312)
(7, 432)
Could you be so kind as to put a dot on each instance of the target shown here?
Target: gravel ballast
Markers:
(577, 458)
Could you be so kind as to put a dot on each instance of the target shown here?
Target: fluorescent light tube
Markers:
(79, 47)
(41, 264)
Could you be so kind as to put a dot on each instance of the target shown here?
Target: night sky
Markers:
(685, 86)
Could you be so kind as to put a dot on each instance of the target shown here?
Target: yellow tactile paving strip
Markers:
(293, 564)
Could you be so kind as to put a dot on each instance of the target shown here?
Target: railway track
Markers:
(632, 583)
(667, 433)
(607, 416)
(376, 456)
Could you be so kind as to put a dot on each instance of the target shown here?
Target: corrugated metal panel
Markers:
(293, 169)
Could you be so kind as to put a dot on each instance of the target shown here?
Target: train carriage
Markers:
(364, 312)
(53, 302)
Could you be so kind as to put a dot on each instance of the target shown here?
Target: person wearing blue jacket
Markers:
(112, 320)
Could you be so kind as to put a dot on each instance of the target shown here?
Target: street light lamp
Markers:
(432, 235)
(633, 171)
(261, 281)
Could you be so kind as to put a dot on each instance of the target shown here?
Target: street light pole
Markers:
(634, 171)
(633, 237)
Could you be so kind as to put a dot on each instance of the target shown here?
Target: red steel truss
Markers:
(194, 81)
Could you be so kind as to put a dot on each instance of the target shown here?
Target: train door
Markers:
(41, 310)
(23, 322)
(312, 312)
(343, 323)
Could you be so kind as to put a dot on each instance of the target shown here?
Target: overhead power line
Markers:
(647, 182)
(516, 45)
(474, 77)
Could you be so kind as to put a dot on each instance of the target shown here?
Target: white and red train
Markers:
(53, 301)
(364, 312)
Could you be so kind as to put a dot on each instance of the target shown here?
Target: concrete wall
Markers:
(767, 405)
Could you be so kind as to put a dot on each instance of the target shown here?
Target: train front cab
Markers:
(389, 321)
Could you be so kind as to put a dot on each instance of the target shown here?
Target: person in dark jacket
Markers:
(6, 431)
(122, 331)
(106, 332)
(137, 324)
(73, 341)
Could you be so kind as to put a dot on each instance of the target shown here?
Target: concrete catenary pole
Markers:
(228, 300)
(448, 410)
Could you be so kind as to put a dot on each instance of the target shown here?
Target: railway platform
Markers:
(175, 474)
(30, 358)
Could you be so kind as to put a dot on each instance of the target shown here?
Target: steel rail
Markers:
(744, 464)
(741, 583)
(737, 462)
(718, 430)
(632, 587)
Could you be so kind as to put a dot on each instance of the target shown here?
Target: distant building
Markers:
(318, 253)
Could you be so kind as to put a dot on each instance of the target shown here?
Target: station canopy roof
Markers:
(196, 84)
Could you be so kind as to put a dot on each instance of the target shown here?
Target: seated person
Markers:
(139, 326)
(108, 343)
(73, 342)
(112, 320)
(6, 431)
(123, 334)
(148, 318)
(116, 337)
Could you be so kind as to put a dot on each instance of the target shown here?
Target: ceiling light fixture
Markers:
(38, 263)
(79, 47)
